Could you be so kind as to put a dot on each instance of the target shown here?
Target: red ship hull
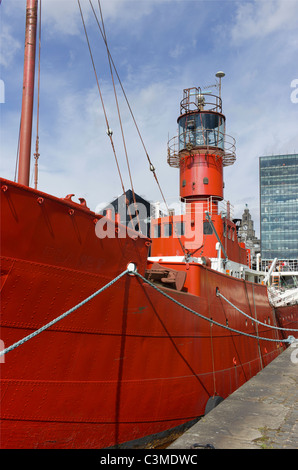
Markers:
(128, 364)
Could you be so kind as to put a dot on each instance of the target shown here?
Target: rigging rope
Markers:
(36, 155)
(119, 115)
(123, 91)
(151, 166)
(101, 98)
(109, 132)
(18, 153)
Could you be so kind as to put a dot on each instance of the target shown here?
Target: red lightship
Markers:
(155, 349)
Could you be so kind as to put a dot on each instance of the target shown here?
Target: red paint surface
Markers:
(129, 363)
(194, 169)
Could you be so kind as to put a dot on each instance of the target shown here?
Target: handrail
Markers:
(226, 151)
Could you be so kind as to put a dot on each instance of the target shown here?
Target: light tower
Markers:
(202, 148)
(204, 231)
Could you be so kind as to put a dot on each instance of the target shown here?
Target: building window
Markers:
(167, 230)
(207, 228)
(179, 228)
(157, 231)
(278, 204)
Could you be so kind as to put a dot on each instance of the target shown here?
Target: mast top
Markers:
(202, 127)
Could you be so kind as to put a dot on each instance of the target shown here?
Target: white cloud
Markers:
(264, 17)
(9, 46)
(177, 51)
(256, 90)
(64, 16)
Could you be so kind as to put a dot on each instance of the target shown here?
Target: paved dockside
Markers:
(262, 414)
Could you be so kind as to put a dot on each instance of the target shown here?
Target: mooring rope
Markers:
(251, 318)
(65, 314)
(290, 339)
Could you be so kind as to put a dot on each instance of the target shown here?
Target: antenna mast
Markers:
(220, 75)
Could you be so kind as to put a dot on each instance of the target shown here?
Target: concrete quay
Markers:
(261, 414)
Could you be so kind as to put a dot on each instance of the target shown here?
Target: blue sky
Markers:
(159, 47)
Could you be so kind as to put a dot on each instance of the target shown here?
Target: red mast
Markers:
(28, 92)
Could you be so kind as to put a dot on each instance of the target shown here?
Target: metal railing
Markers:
(210, 140)
(185, 207)
(194, 99)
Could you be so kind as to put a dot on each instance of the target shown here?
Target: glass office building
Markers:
(279, 209)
